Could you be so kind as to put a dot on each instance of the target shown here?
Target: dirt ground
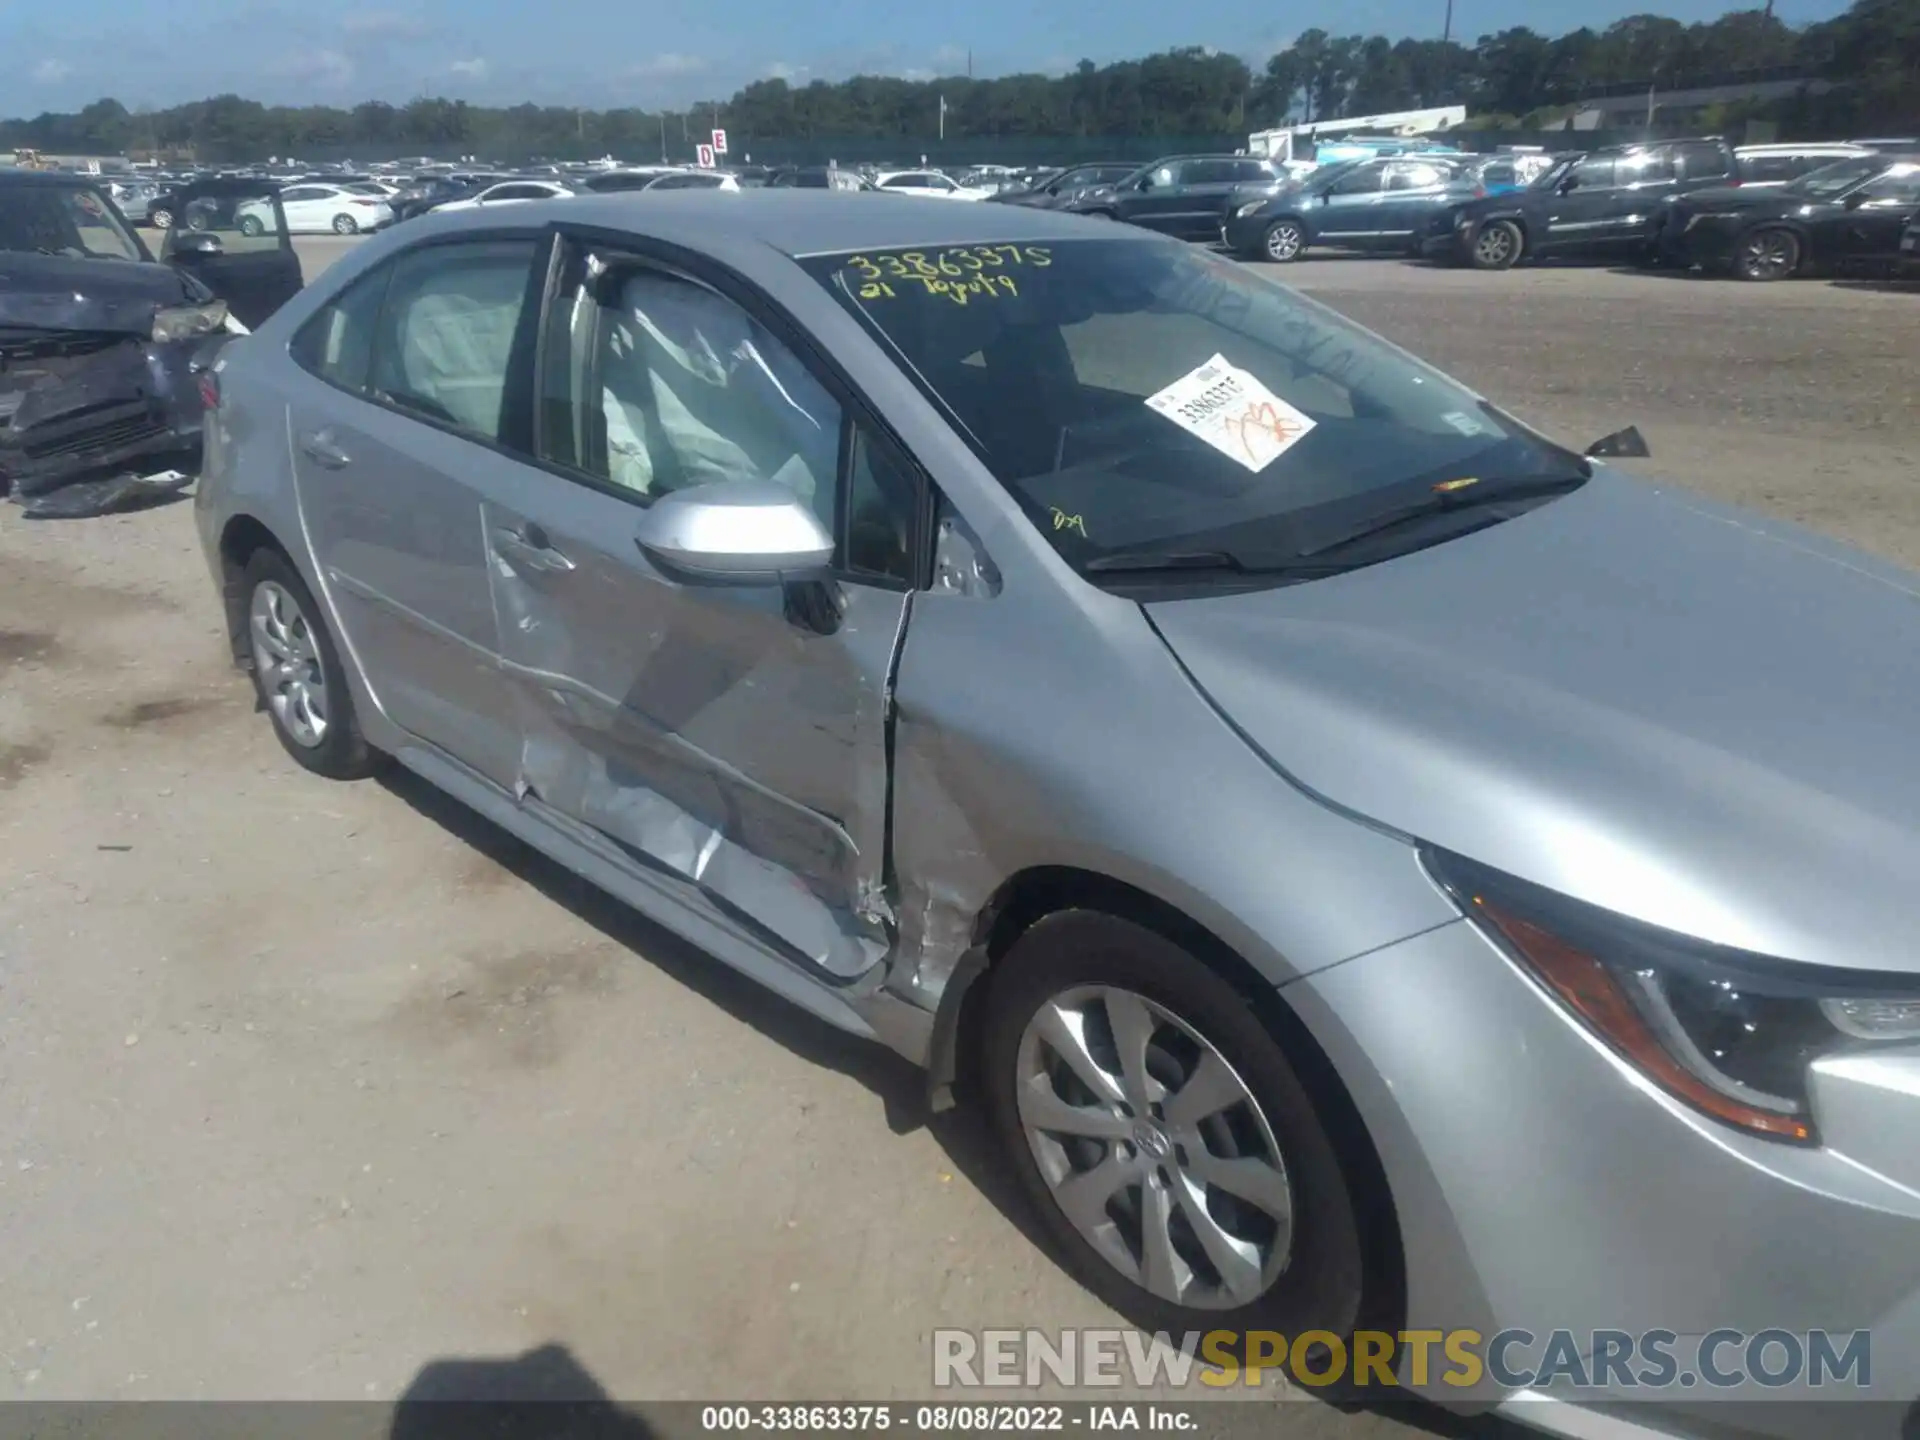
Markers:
(309, 1085)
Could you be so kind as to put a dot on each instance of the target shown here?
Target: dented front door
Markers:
(718, 733)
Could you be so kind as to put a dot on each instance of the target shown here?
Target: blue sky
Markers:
(59, 56)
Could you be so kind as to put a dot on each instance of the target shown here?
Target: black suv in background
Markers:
(1184, 195)
(1605, 205)
(1847, 215)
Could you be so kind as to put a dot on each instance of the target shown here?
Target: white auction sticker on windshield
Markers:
(1232, 411)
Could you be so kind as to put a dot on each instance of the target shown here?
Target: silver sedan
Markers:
(1376, 866)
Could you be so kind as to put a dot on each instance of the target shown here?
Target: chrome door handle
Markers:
(530, 548)
(319, 447)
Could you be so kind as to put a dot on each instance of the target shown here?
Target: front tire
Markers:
(297, 672)
(1498, 246)
(1169, 1148)
(1767, 254)
(345, 225)
(160, 219)
(1284, 241)
(250, 226)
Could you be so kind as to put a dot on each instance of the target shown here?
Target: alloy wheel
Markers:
(1494, 247)
(287, 661)
(1769, 255)
(1154, 1148)
(1284, 241)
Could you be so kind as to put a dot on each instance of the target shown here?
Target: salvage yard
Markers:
(310, 1085)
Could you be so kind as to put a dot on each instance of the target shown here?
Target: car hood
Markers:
(1680, 712)
(55, 292)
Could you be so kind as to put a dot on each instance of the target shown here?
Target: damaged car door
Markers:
(235, 242)
(722, 733)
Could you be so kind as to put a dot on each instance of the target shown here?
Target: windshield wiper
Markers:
(1128, 562)
(1478, 495)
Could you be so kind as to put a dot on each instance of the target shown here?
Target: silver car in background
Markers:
(1376, 866)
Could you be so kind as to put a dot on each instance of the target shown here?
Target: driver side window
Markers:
(1363, 181)
(1893, 189)
(653, 383)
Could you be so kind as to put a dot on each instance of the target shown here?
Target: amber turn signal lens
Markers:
(1589, 989)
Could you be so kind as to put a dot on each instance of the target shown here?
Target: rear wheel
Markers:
(1284, 241)
(1772, 254)
(345, 225)
(1497, 246)
(160, 218)
(297, 672)
(1169, 1147)
(250, 225)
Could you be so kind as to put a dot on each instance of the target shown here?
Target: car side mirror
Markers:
(1568, 185)
(1855, 200)
(196, 244)
(1627, 444)
(742, 532)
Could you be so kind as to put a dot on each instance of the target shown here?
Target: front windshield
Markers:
(65, 220)
(1830, 180)
(1138, 396)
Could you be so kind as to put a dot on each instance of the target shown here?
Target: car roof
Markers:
(794, 223)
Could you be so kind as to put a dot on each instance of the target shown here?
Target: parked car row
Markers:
(1762, 212)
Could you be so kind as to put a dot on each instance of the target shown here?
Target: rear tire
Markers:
(250, 225)
(1769, 253)
(297, 673)
(160, 219)
(1258, 1129)
(1498, 246)
(345, 225)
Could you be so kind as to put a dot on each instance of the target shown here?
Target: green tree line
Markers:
(1870, 54)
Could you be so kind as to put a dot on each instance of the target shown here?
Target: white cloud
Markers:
(383, 25)
(474, 69)
(319, 67)
(916, 74)
(781, 70)
(51, 72)
(667, 66)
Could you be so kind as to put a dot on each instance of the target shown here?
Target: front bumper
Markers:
(1242, 234)
(99, 406)
(1541, 1184)
(1703, 240)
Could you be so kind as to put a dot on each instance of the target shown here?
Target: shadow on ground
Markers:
(544, 1394)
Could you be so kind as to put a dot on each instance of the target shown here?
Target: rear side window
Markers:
(1208, 172)
(445, 337)
(337, 343)
(1703, 162)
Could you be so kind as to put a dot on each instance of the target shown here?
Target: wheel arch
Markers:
(240, 539)
(1031, 895)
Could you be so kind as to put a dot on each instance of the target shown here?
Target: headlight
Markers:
(1731, 1033)
(1248, 208)
(183, 322)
